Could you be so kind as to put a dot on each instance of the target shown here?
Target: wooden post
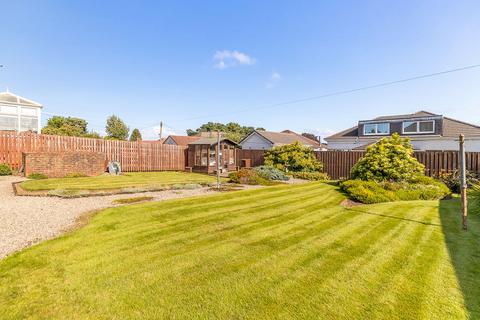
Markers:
(463, 182)
(218, 159)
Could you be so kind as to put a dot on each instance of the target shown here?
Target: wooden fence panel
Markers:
(338, 164)
(133, 156)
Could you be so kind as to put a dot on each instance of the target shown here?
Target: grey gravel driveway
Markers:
(25, 221)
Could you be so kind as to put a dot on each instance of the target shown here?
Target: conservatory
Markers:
(19, 114)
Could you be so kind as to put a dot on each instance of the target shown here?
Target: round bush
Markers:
(293, 157)
(5, 170)
(390, 159)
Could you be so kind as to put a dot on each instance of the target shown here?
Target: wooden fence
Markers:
(337, 164)
(154, 156)
(133, 156)
(255, 156)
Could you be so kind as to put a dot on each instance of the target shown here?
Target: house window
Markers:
(376, 128)
(414, 127)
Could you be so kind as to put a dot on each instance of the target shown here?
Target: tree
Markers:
(232, 130)
(390, 159)
(136, 135)
(68, 126)
(116, 129)
(293, 157)
(310, 136)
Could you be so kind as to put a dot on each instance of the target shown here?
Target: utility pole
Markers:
(218, 159)
(463, 182)
(161, 129)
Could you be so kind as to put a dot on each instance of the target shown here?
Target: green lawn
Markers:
(126, 180)
(278, 252)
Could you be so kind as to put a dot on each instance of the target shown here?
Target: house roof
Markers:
(11, 98)
(285, 137)
(183, 140)
(451, 127)
(211, 141)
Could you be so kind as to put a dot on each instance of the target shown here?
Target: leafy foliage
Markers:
(310, 136)
(68, 126)
(421, 188)
(136, 135)
(5, 170)
(293, 157)
(452, 180)
(248, 176)
(390, 159)
(116, 129)
(37, 176)
(270, 173)
(231, 130)
(312, 176)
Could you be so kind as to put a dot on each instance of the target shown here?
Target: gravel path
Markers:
(25, 221)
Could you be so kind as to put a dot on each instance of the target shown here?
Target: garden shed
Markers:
(202, 155)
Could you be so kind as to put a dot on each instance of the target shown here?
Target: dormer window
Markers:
(416, 127)
(376, 128)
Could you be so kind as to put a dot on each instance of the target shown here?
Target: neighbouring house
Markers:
(19, 114)
(202, 155)
(266, 140)
(180, 140)
(427, 132)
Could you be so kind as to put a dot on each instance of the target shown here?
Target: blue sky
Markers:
(190, 62)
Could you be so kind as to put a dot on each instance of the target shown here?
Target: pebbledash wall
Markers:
(60, 164)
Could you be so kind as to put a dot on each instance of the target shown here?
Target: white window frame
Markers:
(418, 127)
(376, 129)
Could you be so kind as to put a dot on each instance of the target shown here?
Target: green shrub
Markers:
(420, 188)
(390, 159)
(270, 173)
(452, 180)
(293, 157)
(5, 170)
(75, 175)
(474, 194)
(248, 176)
(312, 176)
(37, 176)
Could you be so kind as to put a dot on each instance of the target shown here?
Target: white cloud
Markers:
(274, 79)
(226, 59)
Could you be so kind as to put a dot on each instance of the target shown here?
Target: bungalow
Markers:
(265, 140)
(426, 130)
(18, 113)
(180, 140)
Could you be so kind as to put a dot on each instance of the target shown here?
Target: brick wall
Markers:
(59, 164)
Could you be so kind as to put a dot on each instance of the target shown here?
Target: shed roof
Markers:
(11, 98)
(212, 141)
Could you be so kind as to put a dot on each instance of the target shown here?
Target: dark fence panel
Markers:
(338, 164)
